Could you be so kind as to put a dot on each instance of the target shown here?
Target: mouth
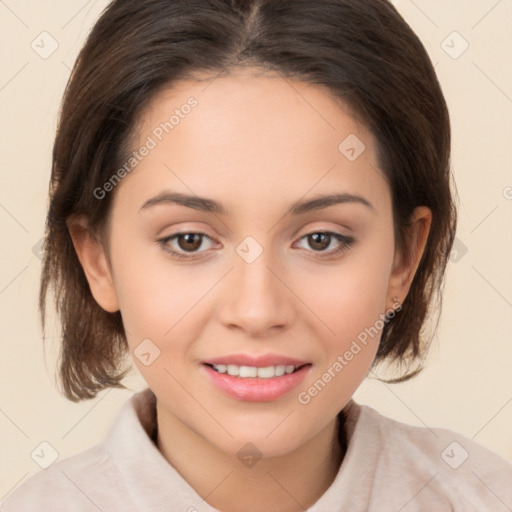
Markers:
(260, 379)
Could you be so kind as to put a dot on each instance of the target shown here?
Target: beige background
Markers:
(467, 386)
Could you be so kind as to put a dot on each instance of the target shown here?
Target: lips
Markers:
(255, 378)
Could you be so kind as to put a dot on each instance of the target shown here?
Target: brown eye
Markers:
(185, 245)
(189, 241)
(319, 241)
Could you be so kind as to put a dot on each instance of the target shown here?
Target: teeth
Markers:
(248, 371)
(280, 370)
(267, 373)
(233, 369)
(251, 371)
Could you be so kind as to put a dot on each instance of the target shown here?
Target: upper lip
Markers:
(261, 361)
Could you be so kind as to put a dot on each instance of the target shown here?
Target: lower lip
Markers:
(254, 389)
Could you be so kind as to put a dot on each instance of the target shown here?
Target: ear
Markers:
(405, 265)
(93, 258)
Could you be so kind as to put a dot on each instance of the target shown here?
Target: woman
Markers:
(252, 199)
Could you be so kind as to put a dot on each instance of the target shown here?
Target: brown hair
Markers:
(363, 51)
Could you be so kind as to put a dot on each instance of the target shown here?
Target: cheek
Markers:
(350, 299)
(161, 306)
(160, 313)
(351, 305)
(351, 296)
(156, 297)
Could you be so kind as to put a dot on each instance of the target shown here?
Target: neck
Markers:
(288, 483)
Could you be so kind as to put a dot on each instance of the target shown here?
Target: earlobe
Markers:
(405, 266)
(92, 257)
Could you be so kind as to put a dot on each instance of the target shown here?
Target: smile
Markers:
(259, 382)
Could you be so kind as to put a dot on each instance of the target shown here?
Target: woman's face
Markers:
(279, 278)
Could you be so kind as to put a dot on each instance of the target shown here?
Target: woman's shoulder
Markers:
(427, 441)
(91, 480)
(69, 480)
(436, 460)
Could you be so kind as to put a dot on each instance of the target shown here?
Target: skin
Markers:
(257, 144)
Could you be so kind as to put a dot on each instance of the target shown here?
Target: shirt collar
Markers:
(154, 484)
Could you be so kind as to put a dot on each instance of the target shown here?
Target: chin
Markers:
(265, 438)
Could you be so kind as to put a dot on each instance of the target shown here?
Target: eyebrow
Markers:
(211, 206)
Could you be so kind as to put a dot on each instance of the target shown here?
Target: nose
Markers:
(256, 298)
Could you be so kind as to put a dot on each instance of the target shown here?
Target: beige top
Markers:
(388, 467)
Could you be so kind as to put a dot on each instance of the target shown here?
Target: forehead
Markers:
(260, 103)
(261, 132)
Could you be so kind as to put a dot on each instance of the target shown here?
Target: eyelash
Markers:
(346, 243)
